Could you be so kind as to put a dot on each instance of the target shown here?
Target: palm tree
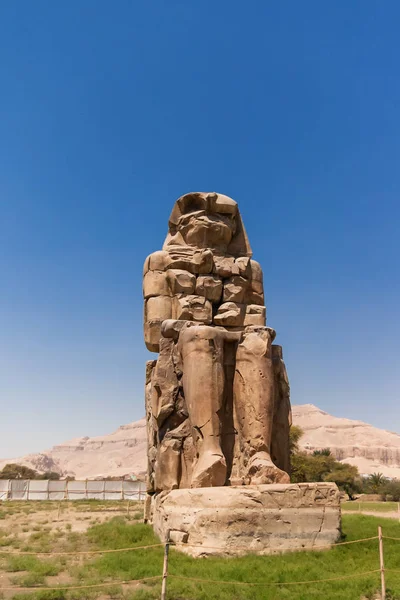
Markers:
(376, 482)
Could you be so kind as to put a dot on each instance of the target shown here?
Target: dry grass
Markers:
(52, 527)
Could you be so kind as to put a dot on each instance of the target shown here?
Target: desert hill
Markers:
(114, 455)
(124, 451)
(355, 442)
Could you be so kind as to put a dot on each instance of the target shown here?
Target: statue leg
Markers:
(254, 406)
(202, 353)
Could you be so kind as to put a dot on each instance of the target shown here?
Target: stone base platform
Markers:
(262, 519)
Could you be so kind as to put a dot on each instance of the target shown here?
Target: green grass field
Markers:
(124, 531)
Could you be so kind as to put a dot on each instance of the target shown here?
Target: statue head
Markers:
(208, 220)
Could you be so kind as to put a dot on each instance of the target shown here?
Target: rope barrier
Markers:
(186, 578)
(80, 587)
(375, 537)
(195, 579)
(8, 553)
(387, 537)
(274, 582)
(31, 553)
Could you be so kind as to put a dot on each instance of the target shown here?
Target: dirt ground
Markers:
(385, 515)
(24, 517)
(51, 527)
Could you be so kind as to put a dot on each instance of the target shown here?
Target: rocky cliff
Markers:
(124, 451)
(369, 448)
(120, 453)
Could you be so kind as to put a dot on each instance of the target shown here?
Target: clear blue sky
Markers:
(112, 110)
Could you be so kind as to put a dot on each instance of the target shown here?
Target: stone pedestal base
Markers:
(263, 519)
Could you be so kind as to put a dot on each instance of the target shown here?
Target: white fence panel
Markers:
(4, 483)
(38, 489)
(57, 490)
(133, 490)
(76, 490)
(42, 489)
(113, 490)
(95, 490)
(19, 489)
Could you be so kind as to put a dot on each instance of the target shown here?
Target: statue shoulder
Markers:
(157, 261)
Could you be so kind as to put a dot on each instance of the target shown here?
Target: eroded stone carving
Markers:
(217, 397)
(262, 519)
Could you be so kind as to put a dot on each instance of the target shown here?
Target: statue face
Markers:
(207, 230)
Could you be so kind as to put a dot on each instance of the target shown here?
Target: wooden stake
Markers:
(147, 509)
(127, 510)
(59, 509)
(165, 569)
(382, 565)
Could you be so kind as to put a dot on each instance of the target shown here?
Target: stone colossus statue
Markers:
(217, 397)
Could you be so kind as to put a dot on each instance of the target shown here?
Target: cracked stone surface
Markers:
(217, 398)
(264, 519)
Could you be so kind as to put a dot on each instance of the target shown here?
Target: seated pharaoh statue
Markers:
(217, 398)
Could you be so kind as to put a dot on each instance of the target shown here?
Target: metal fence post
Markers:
(165, 568)
(382, 564)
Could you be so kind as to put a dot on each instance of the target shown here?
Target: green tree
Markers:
(346, 478)
(14, 471)
(53, 475)
(308, 468)
(295, 434)
(391, 489)
(321, 466)
(376, 482)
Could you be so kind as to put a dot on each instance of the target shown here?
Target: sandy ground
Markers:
(385, 515)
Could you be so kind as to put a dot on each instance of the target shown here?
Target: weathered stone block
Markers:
(152, 334)
(192, 308)
(224, 266)
(209, 286)
(256, 271)
(158, 308)
(243, 262)
(180, 281)
(155, 283)
(159, 261)
(263, 519)
(234, 289)
(230, 314)
(255, 315)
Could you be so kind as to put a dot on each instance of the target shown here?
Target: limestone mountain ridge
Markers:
(123, 452)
